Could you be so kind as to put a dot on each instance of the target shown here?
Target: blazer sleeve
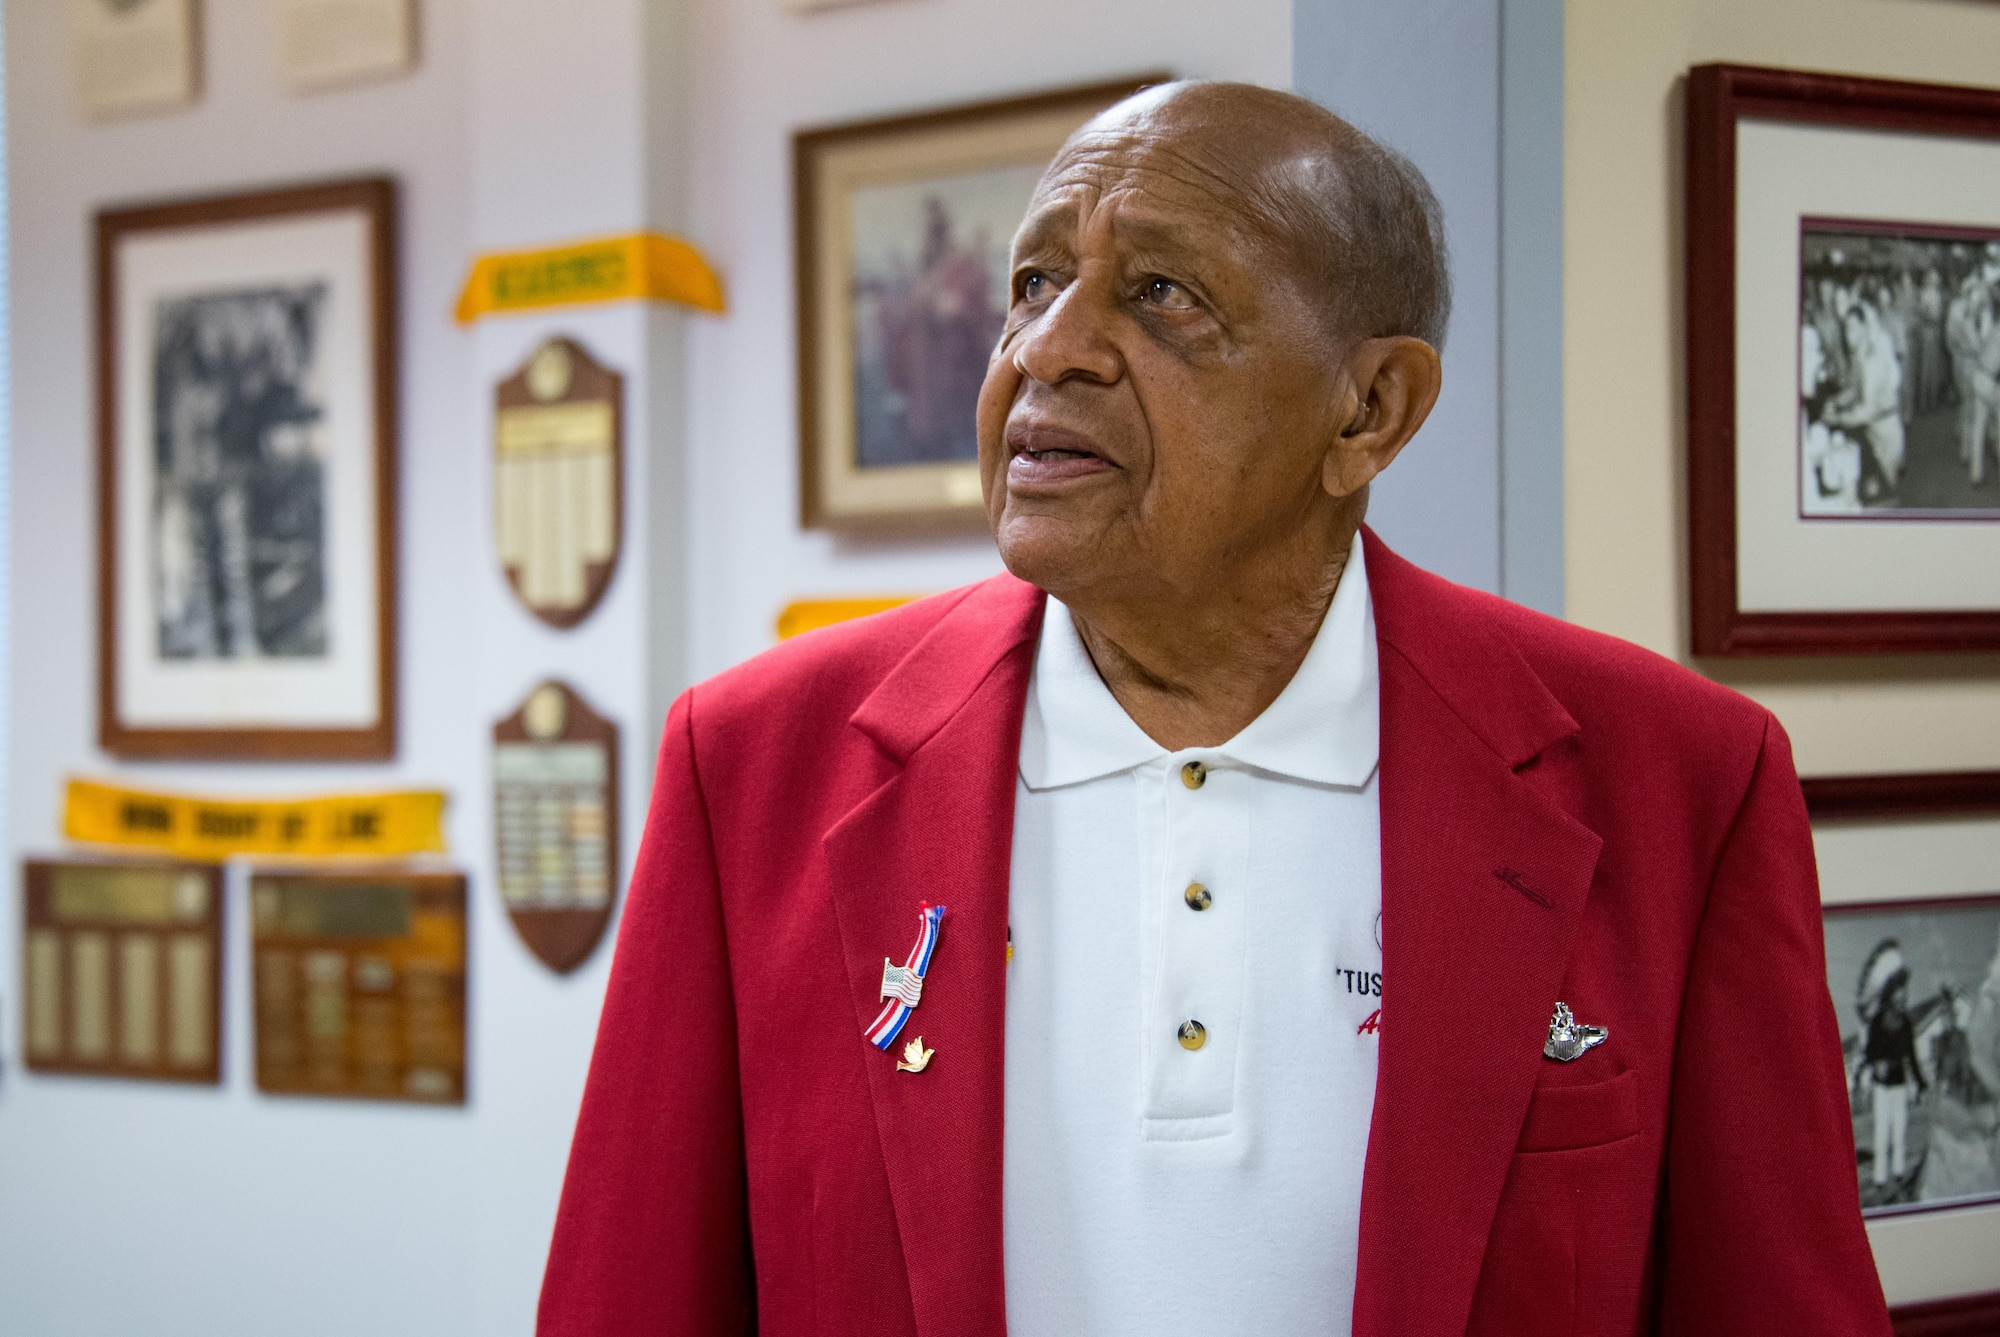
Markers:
(1763, 1225)
(652, 1234)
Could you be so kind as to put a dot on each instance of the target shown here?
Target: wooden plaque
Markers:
(121, 968)
(555, 806)
(558, 480)
(360, 984)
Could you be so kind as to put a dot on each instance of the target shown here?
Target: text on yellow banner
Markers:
(365, 825)
(608, 269)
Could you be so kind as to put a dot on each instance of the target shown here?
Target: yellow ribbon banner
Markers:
(367, 825)
(812, 614)
(609, 269)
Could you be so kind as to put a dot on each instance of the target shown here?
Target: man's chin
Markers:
(1049, 551)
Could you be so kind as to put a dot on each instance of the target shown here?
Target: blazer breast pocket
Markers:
(1569, 1118)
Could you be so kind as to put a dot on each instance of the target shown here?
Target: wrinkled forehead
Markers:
(1158, 186)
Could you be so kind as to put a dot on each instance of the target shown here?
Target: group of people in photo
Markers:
(1899, 374)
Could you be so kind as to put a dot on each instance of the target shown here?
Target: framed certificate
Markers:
(246, 473)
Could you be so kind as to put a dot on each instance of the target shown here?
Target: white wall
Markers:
(130, 1208)
(760, 74)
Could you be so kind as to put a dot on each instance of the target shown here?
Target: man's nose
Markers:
(1072, 339)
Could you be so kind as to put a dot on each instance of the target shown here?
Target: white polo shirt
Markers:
(1152, 1188)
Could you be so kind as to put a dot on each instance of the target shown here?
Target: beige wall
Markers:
(1624, 424)
(1623, 384)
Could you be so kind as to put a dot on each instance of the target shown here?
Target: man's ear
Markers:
(1394, 383)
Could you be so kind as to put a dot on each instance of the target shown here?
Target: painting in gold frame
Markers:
(903, 229)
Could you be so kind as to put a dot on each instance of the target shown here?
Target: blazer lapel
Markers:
(940, 831)
(1483, 880)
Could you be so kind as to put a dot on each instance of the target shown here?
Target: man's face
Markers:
(1163, 397)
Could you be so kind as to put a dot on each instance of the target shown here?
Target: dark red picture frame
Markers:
(1861, 796)
(1961, 1316)
(1718, 97)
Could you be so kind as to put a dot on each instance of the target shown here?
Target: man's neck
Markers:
(1195, 675)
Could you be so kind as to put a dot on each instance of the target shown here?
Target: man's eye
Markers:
(1036, 286)
(1167, 294)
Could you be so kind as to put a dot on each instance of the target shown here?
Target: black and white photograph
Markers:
(1916, 988)
(239, 542)
(246, 406)
(1843, 345)
(1899, 371)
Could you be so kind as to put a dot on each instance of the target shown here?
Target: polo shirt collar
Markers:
(1323, 728)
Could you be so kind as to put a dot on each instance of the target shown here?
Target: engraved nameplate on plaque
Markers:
(360, 984)
(555, 823)
(122, 968)
(558, 480)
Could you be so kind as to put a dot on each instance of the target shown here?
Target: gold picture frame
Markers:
(902, 231)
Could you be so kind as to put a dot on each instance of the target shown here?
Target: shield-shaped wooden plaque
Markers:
(555, 823)
(558, 480)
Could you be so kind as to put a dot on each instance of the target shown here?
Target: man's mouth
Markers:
(1046, 457)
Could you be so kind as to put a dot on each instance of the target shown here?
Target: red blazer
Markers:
(1563, 817)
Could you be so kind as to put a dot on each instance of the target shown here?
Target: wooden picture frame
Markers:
(1837, 797)
(901, 231)
(247, 545)
(121, 968)
(1798, 567)
(1960, 1316)
(1915, 985)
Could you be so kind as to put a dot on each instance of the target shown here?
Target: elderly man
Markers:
(1217, 924)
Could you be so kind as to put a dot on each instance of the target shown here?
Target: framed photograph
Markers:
(903, 232)
(1843, 324)
(246, 372)
(1916, 988)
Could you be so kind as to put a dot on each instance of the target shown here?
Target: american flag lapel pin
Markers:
(903, 989)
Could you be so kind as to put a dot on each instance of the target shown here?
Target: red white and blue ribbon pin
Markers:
(903, 986)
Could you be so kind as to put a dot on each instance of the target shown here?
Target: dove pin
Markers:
(1568, 1039)
(915, 1057)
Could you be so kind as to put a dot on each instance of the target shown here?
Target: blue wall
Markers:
(1471, 91)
